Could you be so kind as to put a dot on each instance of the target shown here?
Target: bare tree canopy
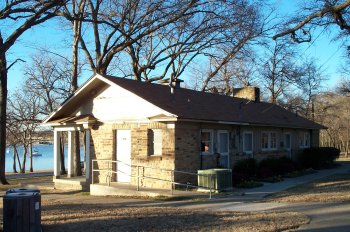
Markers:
(16, 17)
(318, 13)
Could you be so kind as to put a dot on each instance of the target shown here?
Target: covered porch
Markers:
(73, 131)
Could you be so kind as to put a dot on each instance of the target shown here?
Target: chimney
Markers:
(248, 92)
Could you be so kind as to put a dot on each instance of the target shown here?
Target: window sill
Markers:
(155, 157)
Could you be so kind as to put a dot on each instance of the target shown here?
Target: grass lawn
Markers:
(64, 211)
(112, 217)
(330, 189)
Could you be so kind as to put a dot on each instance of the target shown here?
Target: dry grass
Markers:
(20, 182)
(64, 211)
(113, 217)
(331, 189)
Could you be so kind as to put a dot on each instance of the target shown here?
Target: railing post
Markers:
(92, 173)
(138, 178)
(109, 173)
(210, 181)
(172, 182)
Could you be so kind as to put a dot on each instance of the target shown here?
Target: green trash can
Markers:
(22, 211)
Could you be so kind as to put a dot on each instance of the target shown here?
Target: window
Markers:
(304, 140)
(207, 142)
(155, 141)
(248, 142)
(268, 140)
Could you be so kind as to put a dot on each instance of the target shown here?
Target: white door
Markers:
(223, 148)
(288, 143)
(123, 155)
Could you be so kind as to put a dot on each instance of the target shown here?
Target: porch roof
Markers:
(81, 119)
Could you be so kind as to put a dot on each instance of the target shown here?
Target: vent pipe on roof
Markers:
(172, 83)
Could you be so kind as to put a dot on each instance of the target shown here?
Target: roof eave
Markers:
(81, 88)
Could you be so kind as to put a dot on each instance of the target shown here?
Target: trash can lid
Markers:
(21, 195)
(22, 189)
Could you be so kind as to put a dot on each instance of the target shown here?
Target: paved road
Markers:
(324, 216)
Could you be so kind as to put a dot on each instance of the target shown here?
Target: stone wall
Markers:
(181, 150)
(103, 146)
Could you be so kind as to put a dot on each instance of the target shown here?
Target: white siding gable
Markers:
(118, 104)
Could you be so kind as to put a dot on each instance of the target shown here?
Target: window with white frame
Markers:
(155, 141)
(304, 140)
(268, 140)
(207, 141)
(248, 142)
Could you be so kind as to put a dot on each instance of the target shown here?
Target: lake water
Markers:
(43, 162)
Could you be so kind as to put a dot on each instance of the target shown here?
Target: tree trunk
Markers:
(77, 23)
(31, 154)
(3, 102)
(16, 153)
(63, 167)
(77, 167)
(14, 160)
(25, 152)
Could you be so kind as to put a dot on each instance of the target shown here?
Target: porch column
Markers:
(56, 154)
(87, 155)
(70, 153)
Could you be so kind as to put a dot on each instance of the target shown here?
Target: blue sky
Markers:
(51, 36)
(327, 52)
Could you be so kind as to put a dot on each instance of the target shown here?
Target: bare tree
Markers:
(22, 15)
(24, 113)
(332, 110)
(244, 25)
(323, 13)
(279, 69)
(49, 78)
(115, 25)
(343, 86)
(310, 83)
(13, 139)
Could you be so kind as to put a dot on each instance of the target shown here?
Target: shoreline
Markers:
(38, 173)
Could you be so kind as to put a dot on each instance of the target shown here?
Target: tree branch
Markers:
(318, 14)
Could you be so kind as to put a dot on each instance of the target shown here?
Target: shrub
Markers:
(243, 171)
(248, 167)
(238, 178)
(276, 166)
(318, 157)
(265, 172)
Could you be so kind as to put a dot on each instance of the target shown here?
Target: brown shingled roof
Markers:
(194, 105)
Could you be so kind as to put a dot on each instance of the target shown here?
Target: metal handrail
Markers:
(110, 172)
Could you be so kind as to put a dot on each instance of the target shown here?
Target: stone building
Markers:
(143, 131)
